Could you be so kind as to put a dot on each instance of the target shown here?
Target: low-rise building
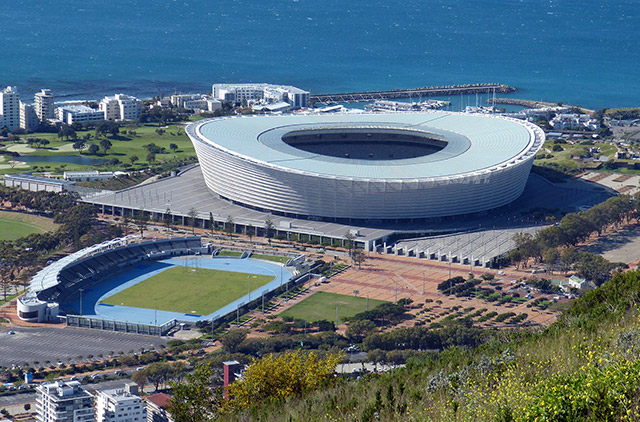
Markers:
(88, 176)
(261, 93)
(120, 405)
(573, 121)
(36, 183)
(157, 408)
(196, 102)
(63, 401)
(71, 114)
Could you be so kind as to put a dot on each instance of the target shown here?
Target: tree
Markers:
(550, 256)
(594, 268)
(141, 220)
(78, 145)
(168, 218)
(192, 218)
(250, 232)
(211, 222)
(349, 237)
(358, 257)
(151, 157)
(567, 258)
(228, 226)
(140, 378)
(194, 400)
(357, 330)
(273, 379)
(133, 158)
(231, 340)
(67, 132)
(173, 147)
(269, 227)
(105, 144)
(107, 127)
(93, 149)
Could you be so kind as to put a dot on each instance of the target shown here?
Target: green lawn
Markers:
(181, 289)
(123, 147)
(322, 305)
(229, 253)
(275, 258)
(564, 157)
(15, 225)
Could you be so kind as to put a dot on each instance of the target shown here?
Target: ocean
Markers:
(584, 53)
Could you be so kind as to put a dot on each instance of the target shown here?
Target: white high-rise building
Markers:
(9, 108)
(64, 402)
(44, 104)
(120, 405)
(121, 107)
(28, 117)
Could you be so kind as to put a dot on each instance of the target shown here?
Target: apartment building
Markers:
(9, 108)
(43, 104)
(121, 107)
(120, 405)
(63, 402)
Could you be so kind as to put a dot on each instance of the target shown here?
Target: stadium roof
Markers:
(475, 143)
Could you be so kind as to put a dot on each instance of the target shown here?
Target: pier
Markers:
(533, 103)
(520, 102)
(431, 91)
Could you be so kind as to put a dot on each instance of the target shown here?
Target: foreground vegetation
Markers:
(586, 366)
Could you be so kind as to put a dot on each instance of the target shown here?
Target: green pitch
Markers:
(181, 289)
(322, 305)
(15, 225)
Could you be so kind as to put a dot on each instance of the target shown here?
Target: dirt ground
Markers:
(389, 277)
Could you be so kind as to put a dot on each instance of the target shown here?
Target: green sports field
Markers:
(15, 225)
(181, 289)
(322, 305)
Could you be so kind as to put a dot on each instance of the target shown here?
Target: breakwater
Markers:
(431, 91)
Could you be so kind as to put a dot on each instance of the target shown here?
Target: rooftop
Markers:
(474, 143)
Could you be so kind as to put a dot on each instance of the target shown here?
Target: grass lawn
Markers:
(322, 305)
(180, 289)
(123, 147)
(274, 258)
(14, 225)
(564, 157)
(229, 253)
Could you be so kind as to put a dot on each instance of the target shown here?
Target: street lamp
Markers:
(155, 311)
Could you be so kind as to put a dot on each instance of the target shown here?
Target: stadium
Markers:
(149, 287)
(367, 167)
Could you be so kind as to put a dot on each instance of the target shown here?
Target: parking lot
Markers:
(44, 344)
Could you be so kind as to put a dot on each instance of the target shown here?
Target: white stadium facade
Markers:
(368, 167)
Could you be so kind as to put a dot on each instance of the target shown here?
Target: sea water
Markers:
(585, 53)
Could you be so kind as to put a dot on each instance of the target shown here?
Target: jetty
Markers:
(533, 103)
(520, 102)
(430, 91)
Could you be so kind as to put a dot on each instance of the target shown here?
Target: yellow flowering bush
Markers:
(273, 378)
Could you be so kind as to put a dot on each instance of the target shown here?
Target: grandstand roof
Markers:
(474, 143)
